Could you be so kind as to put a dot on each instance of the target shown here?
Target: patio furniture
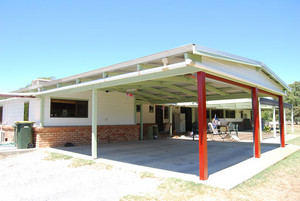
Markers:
(231, 137)
(233, 127)
(215, 131)
(166, 132)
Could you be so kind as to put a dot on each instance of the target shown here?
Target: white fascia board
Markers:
(144, 75)
(209, 52)
(276, 77)
(119, 66)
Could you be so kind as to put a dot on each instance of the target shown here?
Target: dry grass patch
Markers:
(57, 156)
(78, 162)
(147, 175)
(101, 166)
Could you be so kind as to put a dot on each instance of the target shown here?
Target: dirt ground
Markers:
(30, 177)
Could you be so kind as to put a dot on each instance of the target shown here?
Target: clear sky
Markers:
(43, 38)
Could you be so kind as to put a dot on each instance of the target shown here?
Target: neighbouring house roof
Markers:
(169, 77)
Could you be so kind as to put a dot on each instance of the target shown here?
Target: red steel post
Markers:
(282, 140)
(256, 123)
(202, 126)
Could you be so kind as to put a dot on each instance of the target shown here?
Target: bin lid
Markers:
(24, 122)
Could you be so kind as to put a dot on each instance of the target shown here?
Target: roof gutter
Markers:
(18, 95)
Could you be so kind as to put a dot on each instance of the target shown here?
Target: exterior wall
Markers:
(34, 111)
(148, 118)
(81, 135)
(13, 111)
(78, 135)
(114, 108)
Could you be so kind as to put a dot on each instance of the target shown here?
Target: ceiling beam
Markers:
(162, 92)
(146, 95)
(213, 89)
(183, 90)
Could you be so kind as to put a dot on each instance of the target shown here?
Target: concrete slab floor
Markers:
(229, 163)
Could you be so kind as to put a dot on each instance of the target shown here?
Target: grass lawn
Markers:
(279, 182)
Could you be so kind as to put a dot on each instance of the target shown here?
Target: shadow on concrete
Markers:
(175, 155)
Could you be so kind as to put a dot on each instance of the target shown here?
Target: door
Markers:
(159, 117)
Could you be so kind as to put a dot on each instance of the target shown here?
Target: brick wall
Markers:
(81, 135)
(8, 133)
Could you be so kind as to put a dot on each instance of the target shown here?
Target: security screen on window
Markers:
(69, 108)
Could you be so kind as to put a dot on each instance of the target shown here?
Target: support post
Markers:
(94, 122)
(141, 123)
(260, 121)
(193, 115)
(284, 120)
(281, 122)
(210, 117)
(292, 119)
(134, 111)
(202, 126)
(42, 111)
(274, 123)
(171, 119)
(256, 122)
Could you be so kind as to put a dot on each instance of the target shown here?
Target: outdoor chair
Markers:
(166, 132)
(215, 131)
(234, 127)
(231, 137)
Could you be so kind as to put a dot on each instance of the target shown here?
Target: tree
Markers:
(293, 97)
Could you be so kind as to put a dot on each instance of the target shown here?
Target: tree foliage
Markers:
(293, 97)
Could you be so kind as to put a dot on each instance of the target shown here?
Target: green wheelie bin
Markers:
(23, 134)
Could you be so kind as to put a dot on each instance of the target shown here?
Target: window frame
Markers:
(72, 102)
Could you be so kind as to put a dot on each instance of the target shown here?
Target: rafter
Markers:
(162, 92)
(213, 89)
(183, 90)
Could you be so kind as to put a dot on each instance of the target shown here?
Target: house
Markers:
(100, 105)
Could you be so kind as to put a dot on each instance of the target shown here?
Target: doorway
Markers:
(159, 117)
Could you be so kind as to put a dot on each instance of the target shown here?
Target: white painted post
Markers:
(141, 122)
(42, 111)
(260, 124)
(94, 122)
(171, 119)
(284, 120)
(274, 121)
(292, 119)
(134, 111)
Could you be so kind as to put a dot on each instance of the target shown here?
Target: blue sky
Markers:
(62, 38)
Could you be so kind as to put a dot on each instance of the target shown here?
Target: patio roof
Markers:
(170, 77)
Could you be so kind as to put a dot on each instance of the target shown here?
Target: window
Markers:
(219, 113)
(166, 112)
(138, 108)
(151, 109)
(69, 108)
(1, 112)
(230, 113)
